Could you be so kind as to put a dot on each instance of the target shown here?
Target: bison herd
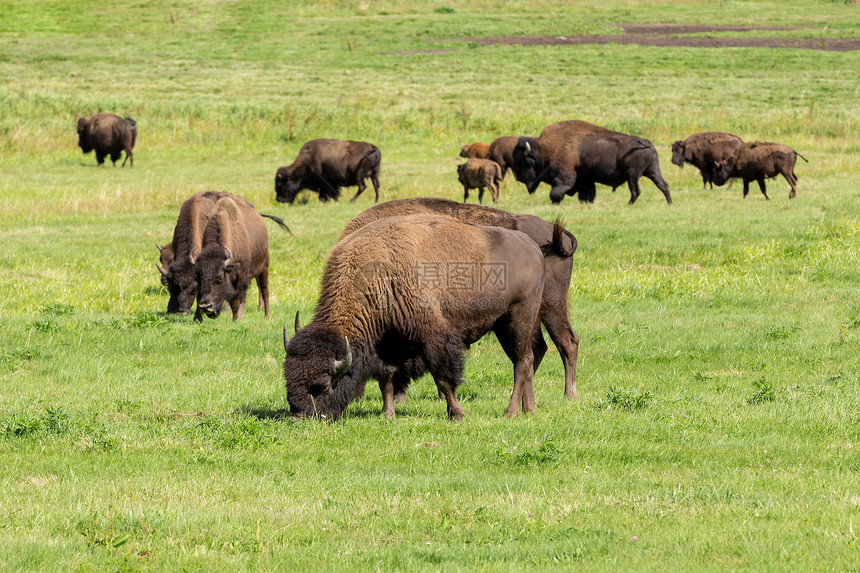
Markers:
(412, 283)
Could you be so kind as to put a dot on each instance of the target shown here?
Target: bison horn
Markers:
(161, 269)
(528, 148)
(159, 247)
(192, 255)
(342, 365)
(298, 326)
(286, 338)
(229, 256)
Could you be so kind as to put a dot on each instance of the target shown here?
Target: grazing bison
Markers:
(108, 134)
(178, 258)
(557, 270)
(408, 294)
(758, 161)
(475, 151)
(477, 174)
(326, 165)
(704, 150)
(502, 152)
(572, 156)
(235, 252)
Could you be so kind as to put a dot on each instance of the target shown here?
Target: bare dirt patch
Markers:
(676, 35)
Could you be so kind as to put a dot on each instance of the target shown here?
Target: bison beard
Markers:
(398, 326)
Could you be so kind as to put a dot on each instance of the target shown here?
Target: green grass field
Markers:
(717, 426)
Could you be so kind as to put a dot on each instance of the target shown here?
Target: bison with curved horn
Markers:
(572, 156)
(557, 270)
(406, 294)
(326, 165)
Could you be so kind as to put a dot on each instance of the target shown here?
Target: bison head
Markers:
(318, 361)
(286, 185)
(678, 149)
(722, 171)
(83, 138)
(217, 273)
(180, 279)
(527, 163)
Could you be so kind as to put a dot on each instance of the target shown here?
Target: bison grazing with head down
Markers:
(235, 252)
(557, 270)
(477, 174)
(502, 152)
(108, 134)
(758, 161)
(703, 150)
(572, 156)
(177, 259)
(326, 165)
(407, 294)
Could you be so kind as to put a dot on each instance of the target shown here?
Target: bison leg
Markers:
(517, 342)
(465, 194)
(653, 173)
(494, 190)
(361, 187)
(100, 157)
(374, 178)
(792, 180)
(480, 195)
(445, 362)
(263, 287)
(763, 188)
(128, 156)
(386, 386)
(633, 184)
(237, 305)
(746, 188)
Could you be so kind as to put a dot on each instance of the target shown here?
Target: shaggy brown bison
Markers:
(235, 252)
(326, 165)
(758, 161)
(108, 135)
(502, 152)
(178, 258)
(557, 270)
(703, 150)
(409, 294)
(572, 156)
(475, 150)
(477, 174)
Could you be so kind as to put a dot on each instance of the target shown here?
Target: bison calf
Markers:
(477, 174)
(108, 134)
(475, 150)
(758, 161)
(703, 150)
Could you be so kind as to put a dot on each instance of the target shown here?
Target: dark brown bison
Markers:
(572, 156)
(758, 161)
(475, 150)
(477, 174)
(178, 258)
(326, 165)
(235, 252)
(407, 294)
(703, 150)
(108, 134)
(557, 270)
(502, 152)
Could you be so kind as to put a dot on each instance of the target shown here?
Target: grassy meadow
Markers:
(718, 419)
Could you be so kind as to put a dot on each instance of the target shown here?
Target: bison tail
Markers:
(279, 221)
(802, 157)
(557, 246)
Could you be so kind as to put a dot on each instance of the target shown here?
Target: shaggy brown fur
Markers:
(389, 289)
(235, 252)
(108, 135)
(572, 156)
(502, 152)
(557, 270)
(326, 165)
(477, 174)
(475, 150)
(703, 150)
(757, 161)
